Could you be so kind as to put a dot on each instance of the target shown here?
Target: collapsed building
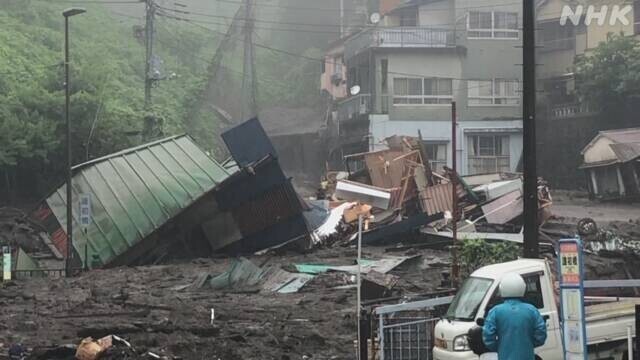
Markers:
(170, 199)
(612, 164)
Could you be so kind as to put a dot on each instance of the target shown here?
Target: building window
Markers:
(409, 18)
(493, 92)
(422, 91)
(553, 36)
(492, 25)
(337, 65)
(437, 155)
(488, 154)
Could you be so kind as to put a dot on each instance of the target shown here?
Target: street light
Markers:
(67, 14)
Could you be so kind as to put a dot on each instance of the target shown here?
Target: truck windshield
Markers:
(466, 302)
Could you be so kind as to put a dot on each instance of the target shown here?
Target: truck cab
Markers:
(480, 293)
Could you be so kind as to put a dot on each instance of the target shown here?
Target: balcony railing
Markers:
(400, 37)
(353, 106)
(570, 110)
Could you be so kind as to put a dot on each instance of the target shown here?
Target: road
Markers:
(600, 212)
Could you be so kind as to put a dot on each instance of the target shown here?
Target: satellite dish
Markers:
(375, 18)
(355, 90)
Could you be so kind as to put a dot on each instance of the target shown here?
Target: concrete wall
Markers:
(440, 131)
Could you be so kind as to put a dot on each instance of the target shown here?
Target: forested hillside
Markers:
(107, 84)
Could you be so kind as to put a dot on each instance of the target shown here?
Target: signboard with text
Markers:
(571, 275)
(85, 210)
(6, 263)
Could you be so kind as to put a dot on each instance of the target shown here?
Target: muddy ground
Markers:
(142, 305)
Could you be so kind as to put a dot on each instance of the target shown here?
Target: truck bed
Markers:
(609, 321)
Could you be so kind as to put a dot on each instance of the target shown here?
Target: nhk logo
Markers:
(617, 15)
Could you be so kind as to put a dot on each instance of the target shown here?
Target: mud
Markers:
(144, 306)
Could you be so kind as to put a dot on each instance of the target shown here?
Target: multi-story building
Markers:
(422, 56)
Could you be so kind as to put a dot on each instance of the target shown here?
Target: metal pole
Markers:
(341, 18)
(531, 249)
(359, 283)
(630, 342)
(149, 32)
(68, 131)
(455, 267)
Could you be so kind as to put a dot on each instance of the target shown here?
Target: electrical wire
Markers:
(330, 62)
(94, 1)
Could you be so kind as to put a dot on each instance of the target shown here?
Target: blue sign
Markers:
(85, 210)
(571, 275)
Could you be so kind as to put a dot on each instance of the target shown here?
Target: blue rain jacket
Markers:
(513, 329)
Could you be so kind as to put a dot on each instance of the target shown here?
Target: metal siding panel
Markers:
(215, 172)
(106, 241)
(153, 184)
(248, 142)
(134, 193)
(174, 168)
(172, 188)
(103, 194)
(137, 179)
(122, 195)
(191, 169)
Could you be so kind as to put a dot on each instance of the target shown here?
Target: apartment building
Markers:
(422, 56)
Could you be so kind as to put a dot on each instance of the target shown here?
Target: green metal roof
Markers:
(134, 192)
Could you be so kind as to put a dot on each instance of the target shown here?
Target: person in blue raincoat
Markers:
(514, 328)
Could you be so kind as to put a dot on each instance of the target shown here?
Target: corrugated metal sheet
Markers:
(439, 198)
(134, 192)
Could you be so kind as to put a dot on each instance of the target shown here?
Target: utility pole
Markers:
(531, 249)
(455, 267)
(249, 68)
(341, 18)
(149, 31)
(67, 96)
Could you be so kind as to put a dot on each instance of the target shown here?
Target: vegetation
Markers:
(609, 76)
(476, 253)
(107, 87)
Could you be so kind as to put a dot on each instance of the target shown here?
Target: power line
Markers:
(336, 9)
(162, 13)
(94, 1)
(185, 12)
(330, 62)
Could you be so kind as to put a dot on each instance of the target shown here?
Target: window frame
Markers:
(494, 95)
(436, 162)
(483, 32)
(446, 99)
(496, 299)
(496, 157)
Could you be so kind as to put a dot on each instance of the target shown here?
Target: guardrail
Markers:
(355, 105)
(400, 37)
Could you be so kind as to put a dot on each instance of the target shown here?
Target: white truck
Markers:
(608, 320)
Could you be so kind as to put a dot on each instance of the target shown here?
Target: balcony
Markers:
(354, 106)
(400, 37)
(571, 110)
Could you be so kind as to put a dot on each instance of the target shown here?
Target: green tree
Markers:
(609, 76)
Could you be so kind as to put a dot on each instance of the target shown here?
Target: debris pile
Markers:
(402, 199)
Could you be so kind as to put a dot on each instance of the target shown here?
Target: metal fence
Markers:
(406, 331)
(407, 339)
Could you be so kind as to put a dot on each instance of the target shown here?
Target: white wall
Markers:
(381, 128)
